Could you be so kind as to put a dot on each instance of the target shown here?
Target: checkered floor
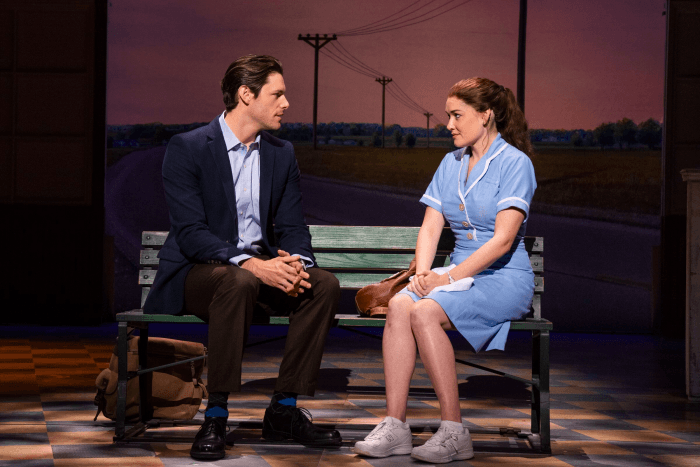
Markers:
(616, 400)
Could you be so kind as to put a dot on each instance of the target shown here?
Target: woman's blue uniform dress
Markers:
(504, 177)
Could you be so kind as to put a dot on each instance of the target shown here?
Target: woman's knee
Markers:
(426, 313)
(398, 308)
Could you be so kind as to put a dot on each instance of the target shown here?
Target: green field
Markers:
(625, 181)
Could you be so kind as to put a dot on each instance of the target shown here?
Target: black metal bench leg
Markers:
(123, 378)
(535, 413)
(540, 390)
(544, 392)
(145, 381)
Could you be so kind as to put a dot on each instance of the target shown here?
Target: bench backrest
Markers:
(359, 255)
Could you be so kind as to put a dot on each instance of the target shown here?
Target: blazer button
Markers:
(470, 236)
(465, 223)
(461, 207)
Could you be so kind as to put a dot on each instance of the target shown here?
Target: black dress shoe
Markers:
(210, 441)
(287, 422)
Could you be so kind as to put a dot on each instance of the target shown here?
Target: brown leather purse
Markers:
(176, 392)
(373, 299)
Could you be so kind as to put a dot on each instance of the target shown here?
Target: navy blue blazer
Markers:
(201, 199)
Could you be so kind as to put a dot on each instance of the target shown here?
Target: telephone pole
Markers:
(317, 42)
(427, 125)
(521, 55)
(383, 81)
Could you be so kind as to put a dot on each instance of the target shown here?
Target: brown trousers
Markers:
(226, 297)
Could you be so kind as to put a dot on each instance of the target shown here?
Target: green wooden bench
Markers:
(358, 256)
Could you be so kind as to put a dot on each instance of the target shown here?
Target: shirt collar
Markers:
(495, 146)
(232, 142)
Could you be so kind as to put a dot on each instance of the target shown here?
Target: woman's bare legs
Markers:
(399, 350)
(428, 321)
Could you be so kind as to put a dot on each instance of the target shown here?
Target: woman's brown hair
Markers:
(483, 94)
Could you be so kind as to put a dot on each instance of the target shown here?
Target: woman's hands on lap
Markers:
(425, 281)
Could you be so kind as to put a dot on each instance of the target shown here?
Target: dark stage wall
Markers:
(52, 126)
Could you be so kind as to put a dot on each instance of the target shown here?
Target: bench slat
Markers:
(340, 320)
(153, 238)
(360, 237)
(347, 280)
(349, 237)
(357, 260)
(371, 260)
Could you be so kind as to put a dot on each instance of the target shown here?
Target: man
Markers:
(238, 241)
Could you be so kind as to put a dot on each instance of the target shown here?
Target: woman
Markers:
(484, 191)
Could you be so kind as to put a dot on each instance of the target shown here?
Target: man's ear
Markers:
(244, 94)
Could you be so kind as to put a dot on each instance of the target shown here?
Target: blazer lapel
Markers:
(267, 166)
(217, 146)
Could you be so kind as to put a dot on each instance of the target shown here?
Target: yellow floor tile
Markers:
(72, 415)
(569, 390)
(630, 435)
(170, 450)
(81, 437)
(489, 460)
(677, 461)
(591, 448)
(110, 461)
(573, 414)
(67, 372)
(256, 376)
(246, 414)
(596, 384)
(20, 407)
(26, 452)
(522, 423)
(363, 382)
(302, 459)
(76, 361)
(333, 460)
(367, 375)
(608, 405)
(17, 366)
(259, 364)
(472, 404)
(68, 396)
(692, 426)
(23, 427)
(324, 404)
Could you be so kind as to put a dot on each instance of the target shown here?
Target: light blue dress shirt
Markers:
(245, 168)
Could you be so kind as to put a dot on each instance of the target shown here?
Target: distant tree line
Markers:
(623, 133)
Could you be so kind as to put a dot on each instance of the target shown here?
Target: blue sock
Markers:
(284, 398)
(217, 405)
(216, 411)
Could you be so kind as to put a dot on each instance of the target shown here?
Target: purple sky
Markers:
(587, 62)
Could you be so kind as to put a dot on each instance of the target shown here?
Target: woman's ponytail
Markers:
(483, 94)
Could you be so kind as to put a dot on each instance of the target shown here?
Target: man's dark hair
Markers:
(251, 71)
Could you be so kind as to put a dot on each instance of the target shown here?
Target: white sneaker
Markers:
(390, 438)
(445, 447)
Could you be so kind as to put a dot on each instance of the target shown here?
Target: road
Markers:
(598, 275)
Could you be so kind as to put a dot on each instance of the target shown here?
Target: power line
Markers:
(388, 26)
(347, 53)
(339, 54)
(402, 100)
(405, 13)
(409, 98)
(346, 64)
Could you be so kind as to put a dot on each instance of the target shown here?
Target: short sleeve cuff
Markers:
(514, 202)
(236, 260)
(432, 202)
